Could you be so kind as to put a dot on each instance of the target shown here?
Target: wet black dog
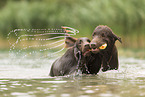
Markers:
(73, 58)
(103, 45)
(91, 61)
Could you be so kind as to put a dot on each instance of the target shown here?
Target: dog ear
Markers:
(113, 61)
(69, 41)
(117, 38)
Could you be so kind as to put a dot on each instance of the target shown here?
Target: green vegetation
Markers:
(125, 17)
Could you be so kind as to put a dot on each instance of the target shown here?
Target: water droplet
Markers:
(89, 91)
(4, 88)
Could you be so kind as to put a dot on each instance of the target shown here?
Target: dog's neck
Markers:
(79, 57)
(81, 64)
(77, 53)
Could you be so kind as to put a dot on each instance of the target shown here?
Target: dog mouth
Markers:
(87, 52)
(96, 50)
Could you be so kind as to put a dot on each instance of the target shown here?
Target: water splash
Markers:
(38, 43)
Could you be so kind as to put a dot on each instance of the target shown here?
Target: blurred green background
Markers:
(125, 17)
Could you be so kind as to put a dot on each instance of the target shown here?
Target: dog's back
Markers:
(64, 65)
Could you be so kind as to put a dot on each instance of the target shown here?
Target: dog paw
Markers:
(106, 68)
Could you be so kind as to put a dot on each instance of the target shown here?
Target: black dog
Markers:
(73, 58)
(91, 61)
(103, 45)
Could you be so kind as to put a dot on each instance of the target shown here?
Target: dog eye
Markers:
(88, 41)
(80, 41)
(103, 46)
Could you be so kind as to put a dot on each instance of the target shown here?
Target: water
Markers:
(28, 42)
(29, 78)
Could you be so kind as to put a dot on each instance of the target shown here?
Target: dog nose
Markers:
(93, 45)
(86, 45)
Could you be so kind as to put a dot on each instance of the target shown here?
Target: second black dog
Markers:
(73, 58)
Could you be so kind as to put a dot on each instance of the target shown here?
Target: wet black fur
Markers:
(67, 64)
(108, 56)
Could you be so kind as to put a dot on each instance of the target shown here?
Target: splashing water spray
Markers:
(38, 43)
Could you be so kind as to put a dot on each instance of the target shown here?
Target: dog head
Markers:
(82, 44)
(103, 39)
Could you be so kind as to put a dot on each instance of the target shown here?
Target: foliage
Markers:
(125, 17)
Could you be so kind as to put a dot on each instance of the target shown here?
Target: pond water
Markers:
(29, 78)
